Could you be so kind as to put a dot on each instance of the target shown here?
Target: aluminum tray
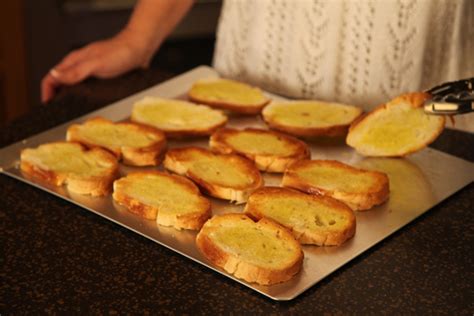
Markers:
(417, 183)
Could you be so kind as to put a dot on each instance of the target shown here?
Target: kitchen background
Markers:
(35, 35)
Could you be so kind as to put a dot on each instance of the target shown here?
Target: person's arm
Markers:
(133, 47)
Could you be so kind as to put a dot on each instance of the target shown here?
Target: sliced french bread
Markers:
(397, 128)
(316, 220)
(310, 118)
(171, 200)
(137, 145)
(271, 151)
(225, 176)
(177, 118)
(359, 189)
(263, 252)
(228, 94)
(83, 171)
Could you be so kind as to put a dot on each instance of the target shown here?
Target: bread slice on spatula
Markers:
(225, 176)
(171, 200)
(310, 117)
(260, 252)
(315, 220)
(228, 94)
(83, 171)
(137, 145)
(271, 151)
(177, 118)
(397, 128)
(359, 189)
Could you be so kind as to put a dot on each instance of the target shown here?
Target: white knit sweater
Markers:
(362, 52)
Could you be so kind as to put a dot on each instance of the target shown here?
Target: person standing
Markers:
(357, 52)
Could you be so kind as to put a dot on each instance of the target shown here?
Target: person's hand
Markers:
(102, 59)
(151, 22)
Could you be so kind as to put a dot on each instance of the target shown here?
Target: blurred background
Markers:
(35, 35)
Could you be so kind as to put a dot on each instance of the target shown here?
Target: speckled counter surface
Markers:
(59, 258)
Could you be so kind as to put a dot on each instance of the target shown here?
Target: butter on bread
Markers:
(260, 252)
(137, 145)
(228, 94)
(316, 220)
(271, 151)
(171, 200)
(177, 118)
(83, 171)
(310, 117)
(397, 128)
(359, 189)
(225, 176)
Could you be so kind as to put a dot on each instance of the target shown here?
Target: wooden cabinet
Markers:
(13, 70)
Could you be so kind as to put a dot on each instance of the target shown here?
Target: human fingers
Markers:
(67, 76)
(72, 58)
(51, 81)
(75, 73)
(48, 87)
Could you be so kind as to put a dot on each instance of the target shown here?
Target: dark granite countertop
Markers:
(60, 258)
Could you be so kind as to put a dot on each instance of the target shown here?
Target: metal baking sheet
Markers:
(417, 183)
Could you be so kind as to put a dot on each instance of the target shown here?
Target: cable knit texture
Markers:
(357, 52)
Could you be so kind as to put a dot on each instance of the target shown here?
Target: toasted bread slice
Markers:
(310, 118)
(316, 220)
(137, 145)
(177, 118)
(271, 151)
(359, 189)
(229, 177)
(84, 171)
(171, 200)
(395, 129)
(263, 252)
(228, 94)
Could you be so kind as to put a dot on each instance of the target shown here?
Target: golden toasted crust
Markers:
(414, 100)
(250, 110)
(239, 266)
(227, 103)
(194, 133)
(360, 197)
(183, 161)
(149, 155)
(166, 217)
(331, 131)
(336, 129)
(181, 129)
(95, 185)
(325, 233)
(270, 162)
